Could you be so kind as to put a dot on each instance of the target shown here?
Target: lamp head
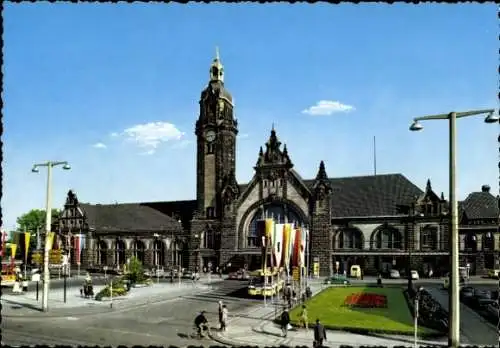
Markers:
(34, 169)
(416, 126)
(492, 117)
(66, 166)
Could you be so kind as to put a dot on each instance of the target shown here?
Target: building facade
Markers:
(379, 222)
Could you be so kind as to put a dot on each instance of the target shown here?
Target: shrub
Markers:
(119, 289)
(135, 271)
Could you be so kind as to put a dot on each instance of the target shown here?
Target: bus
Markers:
(257, 286)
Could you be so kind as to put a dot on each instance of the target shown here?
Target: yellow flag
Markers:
(50, 240)
(27, 236)
(13, 249)
(269, 229)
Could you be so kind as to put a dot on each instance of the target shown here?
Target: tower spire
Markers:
(217, 69)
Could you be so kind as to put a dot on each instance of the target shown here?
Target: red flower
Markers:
(366, 300)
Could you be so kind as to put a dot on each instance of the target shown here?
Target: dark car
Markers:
(467, 294)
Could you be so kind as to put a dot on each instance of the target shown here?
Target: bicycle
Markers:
(204, 333)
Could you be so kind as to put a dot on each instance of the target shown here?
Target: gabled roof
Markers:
(127, 217)
(374, 195)
(480, 205)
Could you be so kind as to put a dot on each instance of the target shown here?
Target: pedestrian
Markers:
(303, 317)
(225, 314)
(285, 321)
(220, 314)
(319, 334)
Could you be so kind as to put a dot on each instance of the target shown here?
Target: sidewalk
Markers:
(25, 304)
(473, 327)
(256, 327)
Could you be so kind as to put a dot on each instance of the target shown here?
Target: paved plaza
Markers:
(163, 314)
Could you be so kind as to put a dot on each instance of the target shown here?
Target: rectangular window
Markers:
(210, 148)
(210, 212)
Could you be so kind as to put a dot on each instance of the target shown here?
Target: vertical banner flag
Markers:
(4, 240)
(27, 237)
(278, 243)
(50, 240)
(82, 244)
(260, 227)
(269, 235)
(287, 231)
(76, 241)
(13, 249)
(303, 242)
(296, 246)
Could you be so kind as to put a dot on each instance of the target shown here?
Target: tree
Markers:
(31, 222)
(135, 270)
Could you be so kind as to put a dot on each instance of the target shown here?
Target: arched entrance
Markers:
(101, 253)
(281, 213)
(120, 248)
(138, 250)
(158, 253)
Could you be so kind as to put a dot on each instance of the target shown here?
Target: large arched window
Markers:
(120, 252)
(429, 238)
(208, 241)
(101, 253)
(138, 249)
(470, 242)
(270, 211)
(348, 238)
(387, 237)
(488, 241)
(158, 253)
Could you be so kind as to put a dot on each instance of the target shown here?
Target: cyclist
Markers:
(201, 323)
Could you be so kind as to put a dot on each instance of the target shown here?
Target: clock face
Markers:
(210, 136)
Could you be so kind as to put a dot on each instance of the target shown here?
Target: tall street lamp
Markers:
(48, 221)
(454, 299)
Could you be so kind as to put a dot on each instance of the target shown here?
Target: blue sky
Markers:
(129, 77)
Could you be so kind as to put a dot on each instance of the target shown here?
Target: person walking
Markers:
(225, 315)
(303, 317)
(319, 334)
(220, 314)
(285, 321)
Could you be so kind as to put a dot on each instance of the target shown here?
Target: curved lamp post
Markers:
(48, 221)
(454, 295)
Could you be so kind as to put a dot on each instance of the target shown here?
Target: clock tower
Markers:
(216, 130)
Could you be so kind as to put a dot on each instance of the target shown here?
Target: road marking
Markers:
(72, 318)
(125, 332)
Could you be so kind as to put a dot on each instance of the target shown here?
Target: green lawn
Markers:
(328, 306)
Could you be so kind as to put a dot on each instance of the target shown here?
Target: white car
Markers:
(394, 274)
(414, 275)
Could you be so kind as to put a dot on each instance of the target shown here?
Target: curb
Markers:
(88, 311)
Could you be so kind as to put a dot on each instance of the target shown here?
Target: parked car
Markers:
(466, 293)
(239, 275)
(492, 309)
(493, 273)
(394, 274)
(337, 279)
(414, 275)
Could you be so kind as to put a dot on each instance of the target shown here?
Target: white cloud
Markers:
(181, 144)
(327, 107)
(99, 146)
(242, 135)
(114, 134)
(150, 135)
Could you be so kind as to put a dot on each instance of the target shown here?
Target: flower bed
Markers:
(366, 300)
